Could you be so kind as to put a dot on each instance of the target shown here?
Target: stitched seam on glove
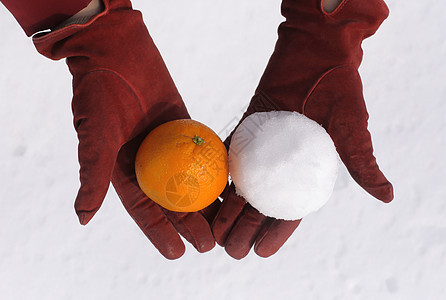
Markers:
(310, 93)
(121, 78)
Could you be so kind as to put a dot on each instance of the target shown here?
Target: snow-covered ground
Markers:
(353, 248)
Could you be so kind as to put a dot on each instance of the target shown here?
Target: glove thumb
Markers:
(99, 143)
(339, 106)
(348, 129)
(96, 166)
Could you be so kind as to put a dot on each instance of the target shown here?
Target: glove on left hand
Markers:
(314, 71)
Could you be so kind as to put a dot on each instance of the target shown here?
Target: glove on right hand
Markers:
(122, 90)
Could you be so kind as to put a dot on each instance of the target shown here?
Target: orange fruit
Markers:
(182, 165)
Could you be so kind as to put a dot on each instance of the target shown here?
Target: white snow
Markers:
(283, 163)
(354, 248)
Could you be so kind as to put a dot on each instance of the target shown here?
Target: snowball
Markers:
(283, 163)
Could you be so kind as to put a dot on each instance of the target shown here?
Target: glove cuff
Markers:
(73, 21)
(45, 42)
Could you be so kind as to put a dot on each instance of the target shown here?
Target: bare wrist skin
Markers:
(95, 7)
(92, 9)
(330, 5)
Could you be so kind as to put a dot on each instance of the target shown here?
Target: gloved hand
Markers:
(313, 71)
(121, 91)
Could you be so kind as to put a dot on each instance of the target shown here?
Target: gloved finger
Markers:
(99, 139)
(356, 151)
(211, 211)
(273, 235)
(96, 159)
(244, 233)
(348, 129)
(194, 228)
(147, 214)
(155, 225)
(230, 209)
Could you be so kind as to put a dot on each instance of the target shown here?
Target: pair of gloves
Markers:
(122, 90)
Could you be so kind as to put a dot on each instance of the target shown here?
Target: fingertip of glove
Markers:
(173, 253)
(383, 192)
(236, 253)
(220, 243)
(266, 249)
(262, 248)
(388, 195)
(206, 246)
(84, 217)
(263, 253)
(173, 256)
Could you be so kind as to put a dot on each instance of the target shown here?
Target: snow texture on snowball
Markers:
(283, 163)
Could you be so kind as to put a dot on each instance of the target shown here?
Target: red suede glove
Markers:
(122, 90)
(313, 70)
